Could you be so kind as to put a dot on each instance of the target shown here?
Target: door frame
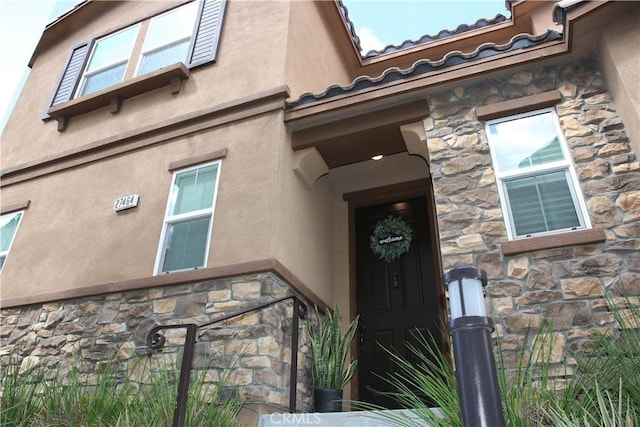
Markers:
(389, 194)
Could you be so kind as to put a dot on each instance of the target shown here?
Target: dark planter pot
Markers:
(327, 400)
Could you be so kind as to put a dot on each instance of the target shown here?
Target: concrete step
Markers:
(346, 419)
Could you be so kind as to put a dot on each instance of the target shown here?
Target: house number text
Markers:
(126, 202)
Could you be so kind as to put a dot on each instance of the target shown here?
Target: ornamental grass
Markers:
(600, 388)
(35, 397)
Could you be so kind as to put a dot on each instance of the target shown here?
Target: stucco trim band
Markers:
(264, 265)
(571, 238)
(206, 118)
(518, 105)
(202, 158)
(14, 207)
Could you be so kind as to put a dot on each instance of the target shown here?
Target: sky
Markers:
(21, 24)
(378, 23)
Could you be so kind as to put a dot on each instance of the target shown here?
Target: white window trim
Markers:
(201, 213)
(127, 61)
(144, 51)
(566, 165)
(5, 254)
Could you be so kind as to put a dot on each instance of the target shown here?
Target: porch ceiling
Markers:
(360, 137)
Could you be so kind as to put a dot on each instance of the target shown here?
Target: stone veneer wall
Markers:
(565, 284)
(115, 327)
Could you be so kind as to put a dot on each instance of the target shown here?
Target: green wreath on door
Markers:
(391, 238)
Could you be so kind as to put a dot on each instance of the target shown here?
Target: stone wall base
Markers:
(86, 332)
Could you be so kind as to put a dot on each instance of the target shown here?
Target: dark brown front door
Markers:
(394, 299)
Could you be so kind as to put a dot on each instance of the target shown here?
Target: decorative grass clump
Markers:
(601, 389)
(29, 399)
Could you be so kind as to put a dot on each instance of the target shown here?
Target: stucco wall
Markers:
(302, 235)
(75, 240)
(70, 236)
(362, 176)
(251, 58)
(313, 60)
(260, 201)
(620, 59)
(263, 210)
(541, 16)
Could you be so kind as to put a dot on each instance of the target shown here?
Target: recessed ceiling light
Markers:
(377, 157)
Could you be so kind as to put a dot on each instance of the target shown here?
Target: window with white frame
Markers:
(168, 38)
(536, 179)
(167, 41)
(8, 226)
(189, 33)
(108, 61)
(184, 243)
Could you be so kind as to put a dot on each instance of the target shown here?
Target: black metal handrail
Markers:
(156, 341)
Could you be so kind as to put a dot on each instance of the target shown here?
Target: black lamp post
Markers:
(470, 330)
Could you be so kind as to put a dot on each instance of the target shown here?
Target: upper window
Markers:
(168, 39)
(188, 34)
(108, 61)
(188, 221)
(8, 226)
(536, 180)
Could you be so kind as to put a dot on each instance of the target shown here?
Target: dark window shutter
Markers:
(70, 77)
(206, 35)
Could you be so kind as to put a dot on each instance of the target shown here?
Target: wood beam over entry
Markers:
(357, 138)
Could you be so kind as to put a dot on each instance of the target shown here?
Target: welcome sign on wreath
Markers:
(391, 238)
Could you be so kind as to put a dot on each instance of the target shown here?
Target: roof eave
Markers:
(305, 115)
(349, 104)
(561, 8)
(64, 24)
(426, 47)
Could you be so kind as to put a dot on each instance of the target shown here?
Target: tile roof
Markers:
(347, 21)
(561, 8)
(423, 66)
(480, 23)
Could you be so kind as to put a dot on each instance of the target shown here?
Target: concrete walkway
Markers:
(345, 419)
